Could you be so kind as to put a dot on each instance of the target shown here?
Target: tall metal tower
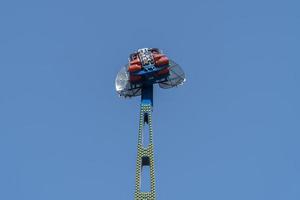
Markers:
(146, 67)
(145, 151)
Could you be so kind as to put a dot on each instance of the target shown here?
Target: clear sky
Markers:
(231, 132)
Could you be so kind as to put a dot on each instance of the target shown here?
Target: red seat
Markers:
(135, 65)
(160, 59)
(134, 78)
(134, 68)
(164, 71)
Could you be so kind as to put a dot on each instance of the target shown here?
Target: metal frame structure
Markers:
(145, 154)
(167, 75)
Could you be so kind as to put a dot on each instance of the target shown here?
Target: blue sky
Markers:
(231, 132)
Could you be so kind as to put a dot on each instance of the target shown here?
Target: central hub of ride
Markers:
(145, 56)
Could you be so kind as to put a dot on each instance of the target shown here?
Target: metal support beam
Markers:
(145, 154)
(147, 94)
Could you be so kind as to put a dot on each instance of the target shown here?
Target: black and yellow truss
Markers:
(145, 154)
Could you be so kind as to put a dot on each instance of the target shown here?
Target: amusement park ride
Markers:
(146, 67)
